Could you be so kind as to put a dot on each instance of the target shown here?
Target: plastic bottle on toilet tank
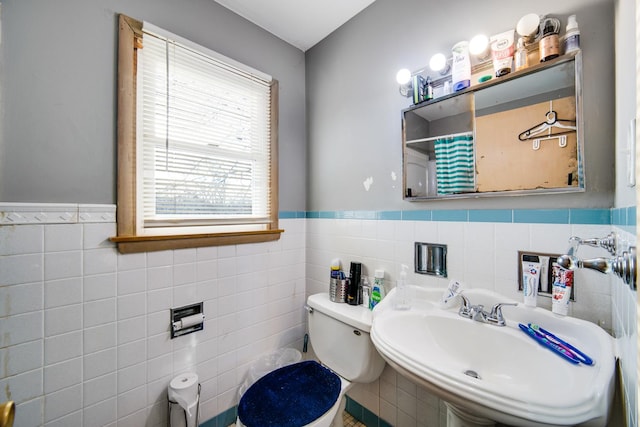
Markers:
(377, 290)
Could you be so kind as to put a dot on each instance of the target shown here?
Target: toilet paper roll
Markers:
(183, 389)
(187, 321)
(184, 383)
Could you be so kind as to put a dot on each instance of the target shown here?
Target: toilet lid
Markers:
(292, 396)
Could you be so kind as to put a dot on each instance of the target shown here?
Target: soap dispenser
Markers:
(402, 299)
(572, 36)
(377, 290)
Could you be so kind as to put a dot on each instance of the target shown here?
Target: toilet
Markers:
(309, 393)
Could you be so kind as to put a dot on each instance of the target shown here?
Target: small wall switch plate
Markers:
(631, 153)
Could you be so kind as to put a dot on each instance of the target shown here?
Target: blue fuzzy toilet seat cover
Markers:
(292, 396)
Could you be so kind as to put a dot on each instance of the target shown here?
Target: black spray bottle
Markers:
(355, 274)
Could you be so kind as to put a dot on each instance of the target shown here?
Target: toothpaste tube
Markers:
(562, 283)
(502, 51)
(530, 279)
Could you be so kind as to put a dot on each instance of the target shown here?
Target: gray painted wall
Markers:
(626, 92)
(353, 105)
(58, 92)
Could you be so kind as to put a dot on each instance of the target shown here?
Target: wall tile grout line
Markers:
(294, 266)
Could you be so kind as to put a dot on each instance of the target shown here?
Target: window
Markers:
(197, 145)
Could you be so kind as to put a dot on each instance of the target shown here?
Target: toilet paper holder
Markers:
(172, 402)
(187, 319)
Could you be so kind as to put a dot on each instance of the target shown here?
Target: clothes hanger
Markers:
(552, 122)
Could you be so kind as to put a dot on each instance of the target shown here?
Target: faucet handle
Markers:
(496, 316)
(478, 313)
(608, 242)
(465, 301)
(465, 308)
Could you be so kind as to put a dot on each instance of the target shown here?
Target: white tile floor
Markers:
(348, 420)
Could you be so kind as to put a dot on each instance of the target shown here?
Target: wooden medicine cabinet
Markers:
(520, 133)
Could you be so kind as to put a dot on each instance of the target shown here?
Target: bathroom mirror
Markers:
(520, 133)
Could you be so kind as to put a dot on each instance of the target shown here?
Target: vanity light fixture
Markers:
(440, 63)
(403, 77)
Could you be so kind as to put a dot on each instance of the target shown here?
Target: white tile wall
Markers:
(84, 330)
(625, 329)
(482, 255)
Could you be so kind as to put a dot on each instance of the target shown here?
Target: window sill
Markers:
(137, 244)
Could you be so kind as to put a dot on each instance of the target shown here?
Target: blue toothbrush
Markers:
(548, 335)
(561, 351)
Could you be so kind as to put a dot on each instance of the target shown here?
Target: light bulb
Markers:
(438, 62)
(403, 77)
(528, 27)
(478, 44)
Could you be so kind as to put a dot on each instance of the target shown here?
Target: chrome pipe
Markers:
(624, 266)
(608, 242)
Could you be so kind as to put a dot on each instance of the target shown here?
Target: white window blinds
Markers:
(205, 136)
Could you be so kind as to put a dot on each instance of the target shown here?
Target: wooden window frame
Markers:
(127, 240)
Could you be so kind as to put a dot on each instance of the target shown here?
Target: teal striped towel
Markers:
(455, 165)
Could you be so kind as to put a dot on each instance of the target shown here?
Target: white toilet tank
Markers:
(340, 337)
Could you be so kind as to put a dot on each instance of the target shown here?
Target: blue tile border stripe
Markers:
(390, 215)
(624, 216)
(223, 419)
(590, 216)
(291, 214)
(356, 215)
(451, 215)
(597, 216)
(541, 216)
(416, 215)
(363, 415)
(491, 215)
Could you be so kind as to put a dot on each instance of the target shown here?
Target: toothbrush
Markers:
(561, 351)
(548, 335)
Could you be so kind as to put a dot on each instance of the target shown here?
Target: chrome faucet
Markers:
(608, 242)
(478, 314)
(624, 265)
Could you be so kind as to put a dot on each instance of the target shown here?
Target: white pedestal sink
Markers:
(498, 373)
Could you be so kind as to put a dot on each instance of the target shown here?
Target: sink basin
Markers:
(498, 373)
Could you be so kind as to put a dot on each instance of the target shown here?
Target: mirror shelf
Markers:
(518, 134)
